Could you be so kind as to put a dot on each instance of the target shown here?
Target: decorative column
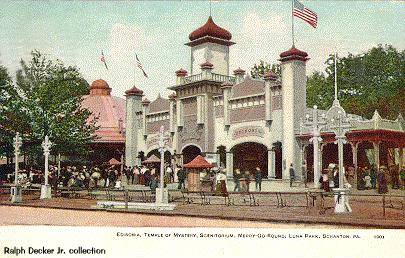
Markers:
(145, 110)
(180, 74)
(179, 113)
(271, 164)
(16, 192)
(270, 79)
(46, 188)
(401, 157)
(206, 69)
(376, 146)
(320, 155)
(226, 87)
(239, 75)
(200, 109)
(229, 164)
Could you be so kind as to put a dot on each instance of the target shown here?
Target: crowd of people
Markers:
(368, 177)
(112, 176)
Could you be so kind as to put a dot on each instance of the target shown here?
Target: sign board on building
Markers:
(153, 142)
(246, 131)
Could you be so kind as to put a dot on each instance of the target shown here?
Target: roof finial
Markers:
(210, 7)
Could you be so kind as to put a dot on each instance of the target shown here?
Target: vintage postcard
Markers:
(202, 128)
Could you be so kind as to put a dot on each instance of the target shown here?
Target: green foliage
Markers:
(257, 71)
(366, 82)
(48, 101)
(7, 95)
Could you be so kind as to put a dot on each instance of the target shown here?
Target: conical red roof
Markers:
(210, 29)
(199, 162)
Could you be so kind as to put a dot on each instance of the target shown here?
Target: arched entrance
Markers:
(249, 155)
(189, 153)
(156, 152)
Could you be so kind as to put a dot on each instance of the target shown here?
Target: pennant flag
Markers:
(140, 66)
(300, 11)
(103, 59)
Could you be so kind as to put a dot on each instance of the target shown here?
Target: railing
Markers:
(209, 76)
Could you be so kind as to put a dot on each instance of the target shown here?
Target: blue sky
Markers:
(76, 31)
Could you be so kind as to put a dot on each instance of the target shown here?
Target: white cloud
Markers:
(256, 25)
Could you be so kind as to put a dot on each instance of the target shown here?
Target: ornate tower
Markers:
(210, 43)
(133, 124)
(293, 86)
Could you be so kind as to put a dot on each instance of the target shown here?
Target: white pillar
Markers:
(293, 72)
(46, 188)
(226, 86)
(229, 164)
(340, 142)
(179, 113)
(271, 164)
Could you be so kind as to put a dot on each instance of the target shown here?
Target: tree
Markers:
(366, 82)
(257, 71)
(49, 97)
(6, 106)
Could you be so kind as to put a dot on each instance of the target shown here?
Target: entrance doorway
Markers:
(247, 156)
(189, 153)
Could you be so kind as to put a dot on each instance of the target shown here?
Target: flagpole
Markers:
(134, 69)
(292, 22)
(336, 92)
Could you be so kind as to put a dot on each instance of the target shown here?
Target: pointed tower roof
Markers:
(210, 29)
(210, 32)
(134, 91)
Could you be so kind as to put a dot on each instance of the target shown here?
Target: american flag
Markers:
(140, 66)
(300, 11)
(103, 59)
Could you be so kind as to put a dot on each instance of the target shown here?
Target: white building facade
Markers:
(233, 120)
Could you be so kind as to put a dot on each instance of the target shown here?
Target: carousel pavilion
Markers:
(236, 121)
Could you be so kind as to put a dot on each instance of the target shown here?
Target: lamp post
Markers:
(162, 193)
(16, 194)
(46, 189)
(316, 125)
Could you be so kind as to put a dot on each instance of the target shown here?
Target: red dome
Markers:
(210, 29)
(293, 54)
(134, 91)
(100, 87)
(99, 84)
